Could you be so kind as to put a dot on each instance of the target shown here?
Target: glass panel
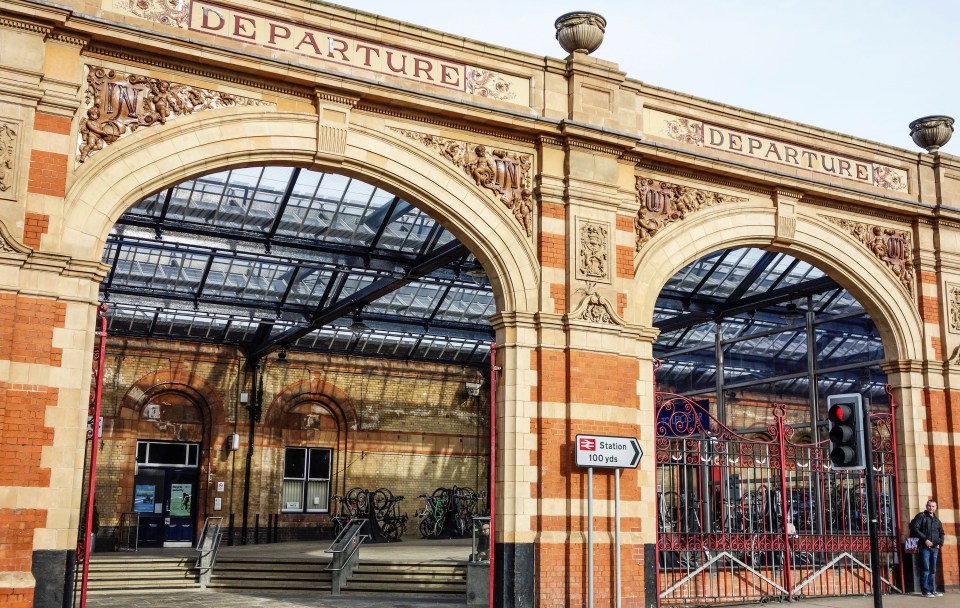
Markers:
(318, 494)
(868, 381)
(295, 463)
(691, 372)
(319, 464)
(194, 451)
(292, 495)
(774, 355)
(168, 453)
(141, 452)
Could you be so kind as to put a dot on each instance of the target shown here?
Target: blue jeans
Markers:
(928, 569)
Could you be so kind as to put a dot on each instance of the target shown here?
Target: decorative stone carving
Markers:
(594, 308)
(117, 104)
(580, 32)
(890, 178)
(593, 251)
(931, 132)
(953, 307)
(787, 202)
(168, 12)
(893, 247)
(662, 203)
(10, 245)
(684, 130)
(505, 175)
(485, 83)
(8, 155)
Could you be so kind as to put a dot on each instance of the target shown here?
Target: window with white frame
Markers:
(306, 480)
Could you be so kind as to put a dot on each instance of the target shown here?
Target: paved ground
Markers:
(200, 599)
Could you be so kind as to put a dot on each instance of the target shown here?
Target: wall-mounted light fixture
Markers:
(473, 388)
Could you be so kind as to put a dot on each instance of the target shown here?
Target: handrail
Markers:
(208, 546)
(346, 554)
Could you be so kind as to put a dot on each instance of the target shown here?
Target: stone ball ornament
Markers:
(580, 31)
(931, 132)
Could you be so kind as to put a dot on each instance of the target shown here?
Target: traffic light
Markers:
(845, 414)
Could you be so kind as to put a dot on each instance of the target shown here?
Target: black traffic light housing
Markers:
(845, 415)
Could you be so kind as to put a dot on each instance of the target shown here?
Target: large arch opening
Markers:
(753, 345)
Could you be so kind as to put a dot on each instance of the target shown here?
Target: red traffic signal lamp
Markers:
(845, 416)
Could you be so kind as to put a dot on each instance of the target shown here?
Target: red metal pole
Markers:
(94, 448)
(895, 490)
(492, 502)
(781, 433)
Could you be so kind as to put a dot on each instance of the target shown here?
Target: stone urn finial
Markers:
(580, 31)
(931, 132)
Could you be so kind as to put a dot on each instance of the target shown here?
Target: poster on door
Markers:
(144, 497)
(181, 494)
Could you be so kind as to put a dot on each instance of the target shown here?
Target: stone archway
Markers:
(155, 158)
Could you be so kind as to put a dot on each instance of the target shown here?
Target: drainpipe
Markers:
(253, 411)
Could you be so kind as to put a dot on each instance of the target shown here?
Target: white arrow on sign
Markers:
(608, 452)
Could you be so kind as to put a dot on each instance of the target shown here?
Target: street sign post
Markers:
(608, 452)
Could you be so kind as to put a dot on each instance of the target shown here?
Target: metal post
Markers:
(94, 449)
(589, 537)
(491, 496)
(814, 398)
(872, 508)
(718, 358)
(616, 518)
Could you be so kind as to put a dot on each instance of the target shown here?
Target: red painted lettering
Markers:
(338, 46)
(809, 156)
(716, 137)
(238, 27)
(753, 144)
(773, 149)
(417, 63)
(790, 155)
(863, 172)
(207, 25)
(446, 70)
(736, 142)
(274, 29)
(403, 66)
(368, 50)
(823, 163)
(308, 39)
(845, 167)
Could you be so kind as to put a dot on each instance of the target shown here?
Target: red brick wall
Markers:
(48, 173)
(559, 294)
(16, 537)
(26, 329)
(34, 227)
(23, 435)
(562, 575)
(16, 598)
(51, 123)
(553, 253)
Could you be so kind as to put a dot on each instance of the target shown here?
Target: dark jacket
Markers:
(925, 526)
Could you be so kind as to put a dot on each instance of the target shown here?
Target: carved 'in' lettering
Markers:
(663, 203)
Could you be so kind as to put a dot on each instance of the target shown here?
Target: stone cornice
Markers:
(413, 116)
(144, 60)
(69, 38)
(701, 177)
(25, 25)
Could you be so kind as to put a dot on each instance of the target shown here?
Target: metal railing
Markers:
(345, 549)
(760, 517)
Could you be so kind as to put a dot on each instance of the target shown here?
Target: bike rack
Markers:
(346, 554)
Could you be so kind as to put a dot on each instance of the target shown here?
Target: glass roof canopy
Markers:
(281, 258)
(273, 258)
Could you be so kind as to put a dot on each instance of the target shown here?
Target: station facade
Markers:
(580, 191)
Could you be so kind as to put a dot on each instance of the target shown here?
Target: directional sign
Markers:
(608, 452)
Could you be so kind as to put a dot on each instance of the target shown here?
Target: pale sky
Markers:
(861, 67)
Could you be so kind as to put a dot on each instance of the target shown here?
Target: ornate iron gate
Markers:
(764, 517)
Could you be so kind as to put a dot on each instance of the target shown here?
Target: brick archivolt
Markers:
(153, 159)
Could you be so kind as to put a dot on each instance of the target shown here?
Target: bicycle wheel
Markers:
(428, 526)
(381, 500)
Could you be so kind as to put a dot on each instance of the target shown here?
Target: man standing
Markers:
(927, 527)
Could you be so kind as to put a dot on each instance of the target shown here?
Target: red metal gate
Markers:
(764, 517)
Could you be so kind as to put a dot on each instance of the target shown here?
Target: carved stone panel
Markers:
(118, 103)
(953, 308)
(593, 251)
(662, 203)
(9, 138)
(504, 175)
(893, 247)
(594, 308)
